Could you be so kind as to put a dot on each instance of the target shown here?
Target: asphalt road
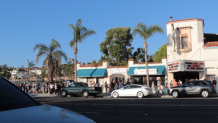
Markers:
(134, 110)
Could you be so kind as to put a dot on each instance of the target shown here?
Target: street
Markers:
(148, 109)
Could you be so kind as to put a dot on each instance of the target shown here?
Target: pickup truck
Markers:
(80, 88)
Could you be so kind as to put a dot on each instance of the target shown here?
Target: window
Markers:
(203, 83)
(197, 83)
(73, 85)
(126, 87)
(84, 85)
(188, 84)
(185, 42)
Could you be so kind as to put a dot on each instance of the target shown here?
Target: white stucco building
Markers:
(191, 53)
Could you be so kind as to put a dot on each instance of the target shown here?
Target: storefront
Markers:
(138, 74)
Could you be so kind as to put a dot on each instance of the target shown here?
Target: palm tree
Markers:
(80, 33)
(52, 54)
(146, 32)
(30, 64)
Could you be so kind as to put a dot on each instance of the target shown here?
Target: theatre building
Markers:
(191, 53)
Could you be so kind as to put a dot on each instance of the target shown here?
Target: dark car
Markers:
(203, 88)
(16, 106)
(80, 88)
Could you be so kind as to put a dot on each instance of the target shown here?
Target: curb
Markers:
(166, 96)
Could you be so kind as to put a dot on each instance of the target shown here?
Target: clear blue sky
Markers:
(24, 23)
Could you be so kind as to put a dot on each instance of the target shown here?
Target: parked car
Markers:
(18, 106)
(80, 88)
(203, 88)
(134, 90)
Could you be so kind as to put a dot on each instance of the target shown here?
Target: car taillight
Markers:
(147, 89)
(213, 85)
(94, 88)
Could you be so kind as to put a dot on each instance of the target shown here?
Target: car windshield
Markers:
(12, 98)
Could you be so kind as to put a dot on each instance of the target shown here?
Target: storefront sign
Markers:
(144, 72)
(118, 70)
(174, 66)
(194, 66)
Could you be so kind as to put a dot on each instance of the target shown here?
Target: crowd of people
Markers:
(36, 88)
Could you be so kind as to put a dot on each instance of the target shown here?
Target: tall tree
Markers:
(30, 64)
(5, 71)
(80, 33)
(162, 52)
(117, 45)
(51, 53)
(146, 32)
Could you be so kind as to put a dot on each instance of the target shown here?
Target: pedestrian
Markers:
(97, 84)
(127, 83)
(106, 86)
(59, 88)
(120, 84)
(52, 88)
(214, 82)
(179, 83)
(43, 88)
(48, 87)
(56, 88)
(166, 83)
(37, 88)
(175, 83)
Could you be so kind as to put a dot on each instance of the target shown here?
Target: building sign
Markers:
(175, 66)
(118, 70)
(194, 66)
(144, 72)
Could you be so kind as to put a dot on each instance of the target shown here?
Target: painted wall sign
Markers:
(144, 72)
(118, 70)
(175, 66)
(194, 66)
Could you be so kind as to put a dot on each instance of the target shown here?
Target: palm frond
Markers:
(54, 45)
(86, 34)
(41, 46)
(79, 22)
(72, 27)
(39, 55)
(60, 53)
(83, 29)
(152, 29)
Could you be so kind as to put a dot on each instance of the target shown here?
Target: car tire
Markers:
(140, 94)
(205, 93)
(175, 94)
(63, 93)
(115, 95)
(85, 94)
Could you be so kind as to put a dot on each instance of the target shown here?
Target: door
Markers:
(197, 87)
(124, 91)
(77, 88)
(187, 88)
(71, 89)
(133, 90)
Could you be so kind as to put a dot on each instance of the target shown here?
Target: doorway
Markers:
(183, 76)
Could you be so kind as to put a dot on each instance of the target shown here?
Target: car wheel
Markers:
(204, 93)
(63, 93)
(140, 94)
(85, 94)
(175, 94)
(115, 95)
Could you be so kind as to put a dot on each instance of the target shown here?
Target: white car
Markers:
(134, 90)
(16, 106)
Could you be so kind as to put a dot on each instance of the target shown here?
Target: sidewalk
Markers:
(45, 95)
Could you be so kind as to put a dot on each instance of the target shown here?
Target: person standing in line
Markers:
(56, 88)
(180, 83)
(127, 83)
(33, 88)
(166, 83)
(49, 89)
(97, 84)
(175, 83)
(43, 88)
(59, 88)
(52, 88)
(120, 84)
(106, 86)
(214, 82)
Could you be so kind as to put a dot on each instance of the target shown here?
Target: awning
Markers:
(92, 72)
(153, 70)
